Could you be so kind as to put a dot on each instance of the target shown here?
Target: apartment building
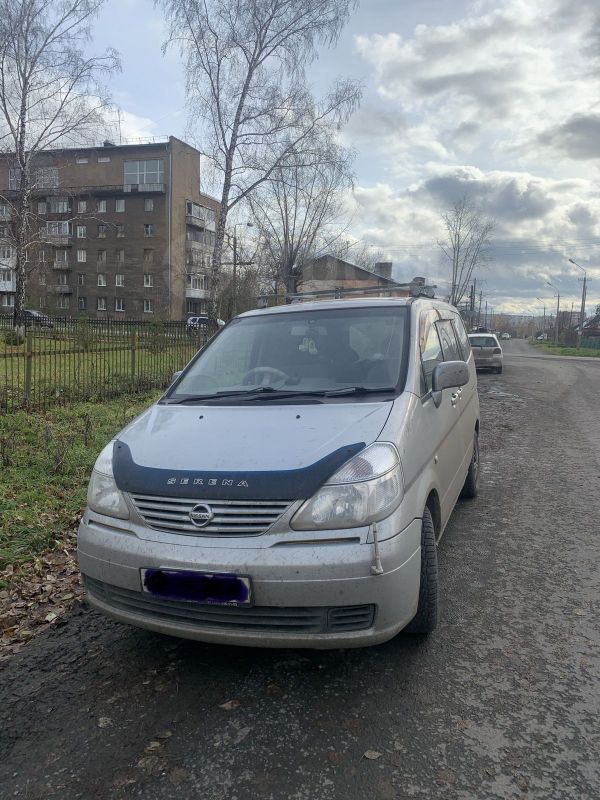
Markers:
(123, 232)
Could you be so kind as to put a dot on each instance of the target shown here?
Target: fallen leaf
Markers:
(104, 722)
(372, 755)
(230, 705)
(152, 746)
(51, 617)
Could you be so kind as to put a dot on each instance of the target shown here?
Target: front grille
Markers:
(231, 517)
(320, 619)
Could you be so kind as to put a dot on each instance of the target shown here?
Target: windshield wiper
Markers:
(357, 390)
(198, 398)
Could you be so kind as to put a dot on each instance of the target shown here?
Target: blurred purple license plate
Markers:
(209, 588)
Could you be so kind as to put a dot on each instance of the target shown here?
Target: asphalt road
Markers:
(501, 701)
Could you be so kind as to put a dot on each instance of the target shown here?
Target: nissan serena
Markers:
(291, 486)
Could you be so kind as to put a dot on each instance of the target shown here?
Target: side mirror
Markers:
(176, 376)
(448, 375)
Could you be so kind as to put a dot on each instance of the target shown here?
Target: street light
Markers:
(583, 294)
(557, 311)
(235, 263)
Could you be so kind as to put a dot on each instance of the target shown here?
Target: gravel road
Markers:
(501, 702)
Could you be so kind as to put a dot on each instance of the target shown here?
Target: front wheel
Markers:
(426, 617)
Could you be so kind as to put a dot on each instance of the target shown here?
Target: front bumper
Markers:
(312, 580)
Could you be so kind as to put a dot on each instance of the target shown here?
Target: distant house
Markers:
(591, 327)
(330, 276)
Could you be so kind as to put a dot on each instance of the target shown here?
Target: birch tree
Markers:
(301, 209)
(51, 95)
(465, 246)
(248, 100)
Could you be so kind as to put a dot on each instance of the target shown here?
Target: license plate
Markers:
(207, 588)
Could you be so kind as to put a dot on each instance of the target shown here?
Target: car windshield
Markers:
(301, 351)
(483, 341)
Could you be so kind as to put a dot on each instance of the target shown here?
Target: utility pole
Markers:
(479, 311)
(557, 311)
(485, 324)
(583, 297)
(543, 302)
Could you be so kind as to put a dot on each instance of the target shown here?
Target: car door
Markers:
(463, 397)
(440, 430)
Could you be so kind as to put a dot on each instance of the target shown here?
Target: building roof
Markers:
(368, 272)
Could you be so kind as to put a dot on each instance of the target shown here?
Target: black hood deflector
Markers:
(293, 484)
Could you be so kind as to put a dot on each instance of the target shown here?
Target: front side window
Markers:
(149, 171)
(355, 349)
(449, 342)
(462, 336)
(431, 355)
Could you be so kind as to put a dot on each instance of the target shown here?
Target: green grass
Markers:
(45, 463)
(564, 350)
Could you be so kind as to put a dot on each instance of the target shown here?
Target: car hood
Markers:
(250, 438)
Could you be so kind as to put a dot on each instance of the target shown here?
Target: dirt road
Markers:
(501, 702)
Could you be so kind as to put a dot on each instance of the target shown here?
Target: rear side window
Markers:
(450, 346)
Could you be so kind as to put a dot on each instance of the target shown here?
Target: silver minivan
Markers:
(292, 485)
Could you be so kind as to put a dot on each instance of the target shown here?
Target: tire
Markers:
(470, 486)
(426, 617)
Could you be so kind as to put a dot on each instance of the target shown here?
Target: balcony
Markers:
(58, 240)
(61, 265)
(8, 286)
(199, 246)
(143, 187)
(61, 288)
(196, 294)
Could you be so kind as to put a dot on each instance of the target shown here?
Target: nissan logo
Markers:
(201, 515)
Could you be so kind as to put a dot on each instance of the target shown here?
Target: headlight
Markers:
(103, 494)
(365, 489)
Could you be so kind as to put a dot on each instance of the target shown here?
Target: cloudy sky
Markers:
(497, 100)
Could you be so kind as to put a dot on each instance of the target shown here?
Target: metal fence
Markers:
(80, 359)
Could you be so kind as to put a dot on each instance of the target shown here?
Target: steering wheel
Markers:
(271, 374)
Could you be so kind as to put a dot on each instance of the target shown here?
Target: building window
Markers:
(41, 256)
(4, 212)
(62, 301)
(5, 275)
(148, 280)
(120, 204)
(102, 231)
(81, 232)
(119, 279)
(61, 256)
(81, 206)
(62, 279)
(8, 300)
(101, 279)
(140, 172)
(46, 178)
(81, 303)
(81, 279)
(5, 253)
(43, 301)
(101, 256)
(81, 160)
(120, 231)
(119, 304)
(148, 307)
(120, 256)
(102, 206)
(197, 282)
(42, 207)
(148, 256)
(103, 159)
(59, 205)
(101, 304)
(58, 228)
(42, 279)
(82, 256)
(149, 204)
(148, 230)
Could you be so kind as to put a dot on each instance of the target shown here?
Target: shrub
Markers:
(13, 338)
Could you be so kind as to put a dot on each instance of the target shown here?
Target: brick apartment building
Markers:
(124, 232)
